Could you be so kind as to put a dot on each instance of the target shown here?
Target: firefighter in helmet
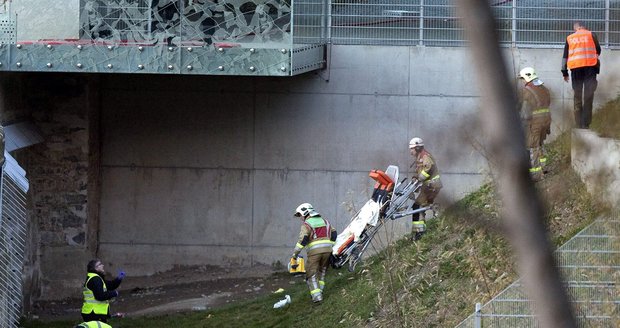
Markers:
(427, 173)
(534, 110)
(317, 237)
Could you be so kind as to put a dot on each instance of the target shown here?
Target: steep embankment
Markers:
(463, 259)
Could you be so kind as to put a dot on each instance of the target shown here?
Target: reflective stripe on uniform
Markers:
(570, 52)
(419, 226)
(90, 303)
(435, 177)
(320, 243)
(581, 50)
(315, 291)
(541, 111)
(426, 175)
(536, 169)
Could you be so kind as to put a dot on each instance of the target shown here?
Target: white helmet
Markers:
(528, 74)
(416, 142)
(304, 210)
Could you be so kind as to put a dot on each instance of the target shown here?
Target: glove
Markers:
(121, 275)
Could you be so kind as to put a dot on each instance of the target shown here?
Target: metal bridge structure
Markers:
(260, 37)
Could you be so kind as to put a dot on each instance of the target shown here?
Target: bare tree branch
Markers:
(521, 210)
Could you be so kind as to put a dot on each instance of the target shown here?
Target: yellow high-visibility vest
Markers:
(90, 303)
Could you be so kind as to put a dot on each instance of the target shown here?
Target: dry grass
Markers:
(607, 120)
(463, 259)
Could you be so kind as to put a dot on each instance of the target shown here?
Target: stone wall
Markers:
(58, 173)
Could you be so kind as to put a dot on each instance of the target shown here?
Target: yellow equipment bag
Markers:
(296, 266)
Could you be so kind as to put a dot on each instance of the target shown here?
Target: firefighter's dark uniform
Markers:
(426, 171)
(537, 124)
(317, 236)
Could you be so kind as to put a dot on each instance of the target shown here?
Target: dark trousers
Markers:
(584, 97)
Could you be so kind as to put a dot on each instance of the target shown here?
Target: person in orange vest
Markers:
(317, 236)
(535, 100)
(98, 292)
(581, 57)
(426, 171)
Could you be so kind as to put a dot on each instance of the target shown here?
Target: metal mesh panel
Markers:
(548, 22)
(310, 22)
(12, 248)
(527, 23)
(590, 267)
(376, 21)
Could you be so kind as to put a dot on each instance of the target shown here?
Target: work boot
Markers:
(317, 298)
(418, 235)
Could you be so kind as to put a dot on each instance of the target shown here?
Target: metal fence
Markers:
(13, 188)
(590, 266)
(524, 23)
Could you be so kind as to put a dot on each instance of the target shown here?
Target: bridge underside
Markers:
(200, 37)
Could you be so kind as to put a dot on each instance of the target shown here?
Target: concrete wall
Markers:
(208, 170)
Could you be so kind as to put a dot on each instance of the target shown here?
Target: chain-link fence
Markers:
(13, 188)
(590, 266)
(525, 23)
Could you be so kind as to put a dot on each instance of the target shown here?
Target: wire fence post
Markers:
(513, 28)
(478, 316)
(421, 42)
(607, 23)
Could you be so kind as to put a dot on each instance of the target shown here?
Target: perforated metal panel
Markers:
(7, 29)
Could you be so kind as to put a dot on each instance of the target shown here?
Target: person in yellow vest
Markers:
(317, 237)
(426, 171)
(93, 324)
(534, 110)
(98, 292)
(581, 56)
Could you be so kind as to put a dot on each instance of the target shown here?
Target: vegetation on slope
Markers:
(463, 259)
(607, 120)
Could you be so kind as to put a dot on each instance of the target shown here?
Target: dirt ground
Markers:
(179, 290)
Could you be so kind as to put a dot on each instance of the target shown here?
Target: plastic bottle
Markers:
(283, 302)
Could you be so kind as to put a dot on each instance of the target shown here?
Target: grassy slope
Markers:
(433, 283)
(607, 120)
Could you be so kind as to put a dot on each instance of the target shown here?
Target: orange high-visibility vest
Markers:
(581, 50)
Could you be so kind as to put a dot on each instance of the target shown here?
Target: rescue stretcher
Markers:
(388, 202)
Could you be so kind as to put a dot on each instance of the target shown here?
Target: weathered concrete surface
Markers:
(597, 161)
(207, 170)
